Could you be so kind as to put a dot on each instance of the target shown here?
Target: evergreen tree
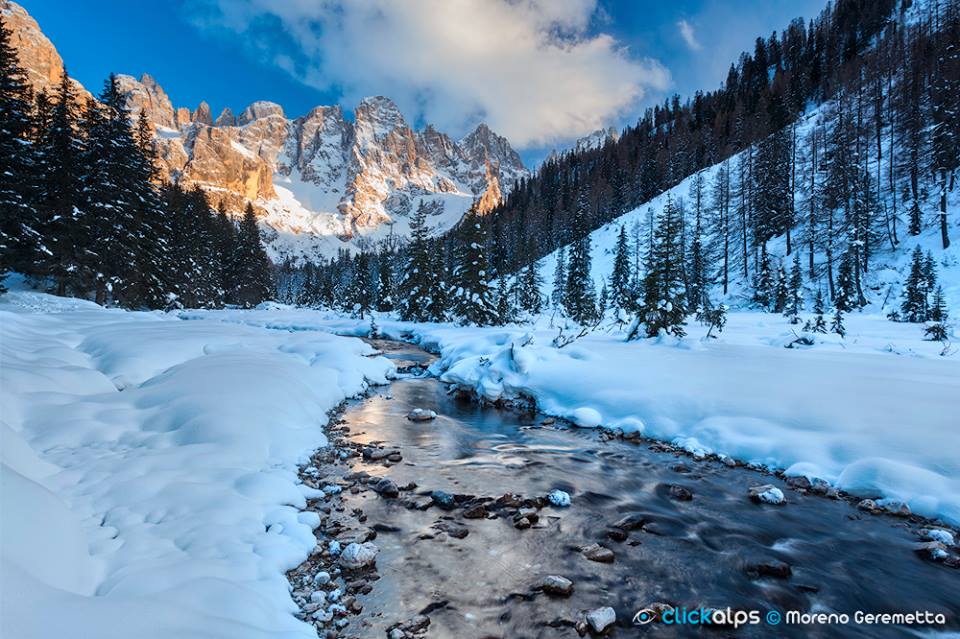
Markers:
(663, 306)
(385, 283)
(696, 269)
(415, 291)
(529, 295)
(437, 287)
(620, 278)
(846, 287)
(362, 288)
(764, 285)
(795, 291)
(256, 281)
(781, 295)
(559, 279)
(836, 323)
(471, 297)
(818, 325)
(937, 331)
(18, 177)
(579, 299)
(914, 305)
(63, 227)
(505, 307)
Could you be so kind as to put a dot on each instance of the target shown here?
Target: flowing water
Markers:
(694, 553)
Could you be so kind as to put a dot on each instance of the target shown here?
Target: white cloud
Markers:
(530, 68)
(688, 35)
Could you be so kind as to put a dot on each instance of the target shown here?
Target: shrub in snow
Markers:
(358, 555)
(559, 498)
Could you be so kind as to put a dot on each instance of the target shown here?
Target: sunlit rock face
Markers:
(319, 182)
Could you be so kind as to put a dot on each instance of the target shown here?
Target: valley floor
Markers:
(150, 460)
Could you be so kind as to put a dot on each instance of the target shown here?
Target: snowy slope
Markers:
(884, 281)
(149, 469)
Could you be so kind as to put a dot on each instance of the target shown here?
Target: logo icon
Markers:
(643, 617)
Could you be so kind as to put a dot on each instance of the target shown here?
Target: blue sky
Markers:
(542, 72)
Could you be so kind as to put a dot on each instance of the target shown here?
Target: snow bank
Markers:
(149, 484)
(874, 413)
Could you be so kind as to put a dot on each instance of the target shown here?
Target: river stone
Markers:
(557, 585)
(359, 555)
(601, 618)
(477, 511)
(559, 498)
(630, 522)
(442, 499)
(770, 568)
(766, 494)
(421, 415)
(521, 524)
(548, 420)
(386, 488)
(869, 506)
(596, 552)
(617, 534)
(680, 493)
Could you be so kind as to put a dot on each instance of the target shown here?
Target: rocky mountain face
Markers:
(319, 182)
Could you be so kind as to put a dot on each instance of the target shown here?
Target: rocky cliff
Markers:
(320, 182)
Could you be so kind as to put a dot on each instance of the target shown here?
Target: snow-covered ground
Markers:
(874, 413)
(149, 459)
(149, 484)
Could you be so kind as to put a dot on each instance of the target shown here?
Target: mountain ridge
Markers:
(318, 182)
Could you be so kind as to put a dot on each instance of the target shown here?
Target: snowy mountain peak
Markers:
(259, 109)
(318, 182)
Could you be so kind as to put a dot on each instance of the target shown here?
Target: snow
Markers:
(149, 482)
(873, 413)
(559, 498)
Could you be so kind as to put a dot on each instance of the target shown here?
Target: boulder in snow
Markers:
(766, 494)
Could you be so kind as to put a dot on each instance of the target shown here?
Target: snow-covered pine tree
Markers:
(362, 288)
(256, 281)
(620, 297)
(64, 233)
(819, 325)
(764, 284)
(663, 307)
(696, 270)
(18, 177)
(579, 299)
(438, 285)
(414, 293)
(385, 282)
(471, 299)
(914, 305)
(794, 291)
(112, 198)
(530, 300)
(937, 331)
(781, 290)
(836, 322)
(559, 278)
(846, 286)
(506, 310)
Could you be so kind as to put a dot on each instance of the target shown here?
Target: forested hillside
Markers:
(83, 214)
(830, 145)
